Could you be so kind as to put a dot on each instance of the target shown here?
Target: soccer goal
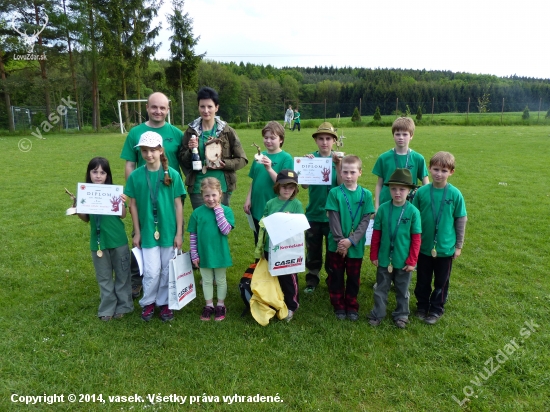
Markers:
(122, 128)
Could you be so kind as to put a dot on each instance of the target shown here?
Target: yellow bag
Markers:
(267, 299)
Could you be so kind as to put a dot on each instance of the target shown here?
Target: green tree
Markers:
(182, 71)
(525, 115)
(419, 114)
(377, 117)
(355, 117)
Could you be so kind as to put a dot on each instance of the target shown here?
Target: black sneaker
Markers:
(340, 314)
(207, 313)
(136, 291)
(400, 323)
(219, 313)
(148, 312)
(421, 314)
(353, 316)
(432, 319)
(166, 314)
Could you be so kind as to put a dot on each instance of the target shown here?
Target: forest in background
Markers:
(97, 52)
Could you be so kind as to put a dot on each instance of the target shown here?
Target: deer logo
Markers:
(29, 40)
(326, 173)
(115, 201)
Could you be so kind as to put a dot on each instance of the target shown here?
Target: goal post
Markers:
(122, 129)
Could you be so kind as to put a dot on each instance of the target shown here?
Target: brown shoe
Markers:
(401, 323)
(136, 291)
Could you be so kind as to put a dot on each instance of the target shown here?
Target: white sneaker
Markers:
(289, 316)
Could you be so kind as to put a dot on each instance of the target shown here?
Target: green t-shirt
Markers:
(453, 207)
(410, 225)
(318, 194)
(171, 141)
(296, 117)
(218, 174)
(386, 164)
(275, 205)
(137, 188)
(262, 184)
(112, 233)
(337, 202)
(212, 245)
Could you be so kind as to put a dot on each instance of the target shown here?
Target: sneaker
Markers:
(374, 322)
(166, 314)
(340, 314)
(118, 315)
(401, 323)
(220, 313)
(309, 289)
(353, 316)
(207, 313)
(421, 314)
(105, 318)
(290, 315)
(432, 319)
(136, 291)
(374, 286)
(148, 312)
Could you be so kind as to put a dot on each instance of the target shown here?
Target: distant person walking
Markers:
(289, 115)
(296, 119)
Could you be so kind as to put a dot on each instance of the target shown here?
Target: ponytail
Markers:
(164, 161)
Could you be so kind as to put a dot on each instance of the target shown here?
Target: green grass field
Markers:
(53, 343)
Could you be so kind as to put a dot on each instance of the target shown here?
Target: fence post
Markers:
(360, 107)
(248, 110)
(540, 102)
(502, 111)
(396, 107)
(433, 101)
(325, 110)
(468, 110)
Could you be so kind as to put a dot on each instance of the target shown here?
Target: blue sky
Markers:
(484, 36)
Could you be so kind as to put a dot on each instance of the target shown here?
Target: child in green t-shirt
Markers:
(296, 120)
(209, 226)
(286, 189)
(155, 191)
(110, 253)
(401, 156)
(264, 172)
(349, 207)
(394, 248)
(443, 213)
(325, 137)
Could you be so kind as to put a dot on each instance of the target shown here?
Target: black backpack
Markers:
(244, 287)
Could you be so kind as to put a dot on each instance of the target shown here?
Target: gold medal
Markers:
(99, 253)
(351, 233)
(434, 252)
(157, 235)
(390, 268)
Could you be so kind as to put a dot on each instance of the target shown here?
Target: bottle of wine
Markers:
(196, 159)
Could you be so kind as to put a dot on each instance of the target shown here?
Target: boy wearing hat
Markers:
(325, 137)
(394, 248)
(443, 213)
(349, 208)
(286, 189)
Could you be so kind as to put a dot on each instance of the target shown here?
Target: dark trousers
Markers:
(256, 233)
(343, 296)
(294, 127)
(314, 257)
(438, 269)
(289, 286)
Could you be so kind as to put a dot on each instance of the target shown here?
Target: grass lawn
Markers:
(481, 354)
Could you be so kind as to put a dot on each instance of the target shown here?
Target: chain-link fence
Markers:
(28, 117)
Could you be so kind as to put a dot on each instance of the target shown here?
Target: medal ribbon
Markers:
(437, 215)
(154, 194)
(98, 230)
(394, 234)
(353, 216)
(406, 162)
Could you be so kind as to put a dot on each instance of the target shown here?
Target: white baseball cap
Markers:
(150, 139)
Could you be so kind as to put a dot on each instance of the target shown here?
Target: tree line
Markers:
(101, 51)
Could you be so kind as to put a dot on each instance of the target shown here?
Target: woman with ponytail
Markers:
(155, 191)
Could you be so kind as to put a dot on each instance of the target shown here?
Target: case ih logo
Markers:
(29, 40)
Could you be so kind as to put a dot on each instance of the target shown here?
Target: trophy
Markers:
(71, 210)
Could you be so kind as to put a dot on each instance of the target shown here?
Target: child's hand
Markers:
(458, 252)
(342, 253)
(309, 156)
(247, 205)
(221, 166)
(196, 262)
(136, 240)
(344, 244)
(375, 262)
(266, 161)
(408, 268)
(178, 242)
(193, 142)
